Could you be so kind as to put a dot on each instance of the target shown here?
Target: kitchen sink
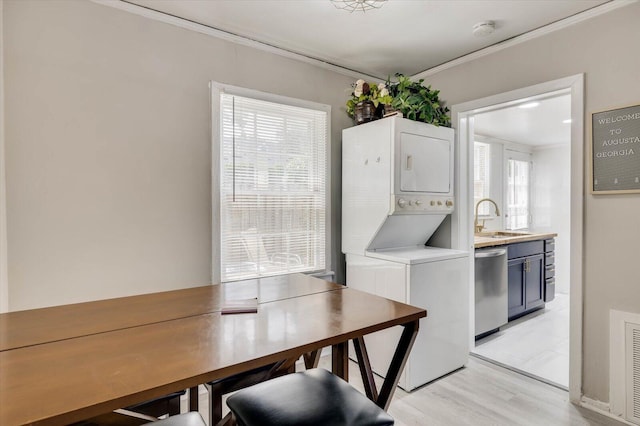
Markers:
(502, 234)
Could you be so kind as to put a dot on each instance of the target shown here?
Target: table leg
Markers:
(365, 369)
(193, 399)
(397, 364)
(312, 359)
(340, 360)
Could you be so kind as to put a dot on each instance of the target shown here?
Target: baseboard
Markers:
(602, 408)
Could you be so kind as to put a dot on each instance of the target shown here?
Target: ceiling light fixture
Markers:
(359, 5)
(567, 121)
(529, 105)
(483, 29)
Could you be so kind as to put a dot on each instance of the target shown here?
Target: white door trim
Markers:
(4, 280)
(462, 118)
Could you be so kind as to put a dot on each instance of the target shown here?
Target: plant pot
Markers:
(387, 110)
(364, 112)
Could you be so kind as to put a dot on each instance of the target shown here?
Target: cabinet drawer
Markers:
(549, 289)
(549, 271)
(527, 248)
(549, 259)
(549, 245)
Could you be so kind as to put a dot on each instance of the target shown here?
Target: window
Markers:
(481, 175)
(273, 186)
(518, 178)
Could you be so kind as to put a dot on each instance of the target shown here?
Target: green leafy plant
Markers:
(363, 91)
(417, 102)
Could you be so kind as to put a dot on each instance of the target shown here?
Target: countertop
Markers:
(498, 238)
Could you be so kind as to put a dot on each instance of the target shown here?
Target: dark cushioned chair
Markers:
(240, 381)
(167, 404)
(310, 398)
(157, 407)
(191, 418)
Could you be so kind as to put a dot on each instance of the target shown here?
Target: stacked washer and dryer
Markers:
(397, 189)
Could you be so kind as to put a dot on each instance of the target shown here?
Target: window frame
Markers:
(217, 89)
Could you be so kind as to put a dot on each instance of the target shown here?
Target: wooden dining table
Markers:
(68, 363)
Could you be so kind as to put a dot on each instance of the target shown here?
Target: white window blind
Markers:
(273, 178)
(481, 175)
(517, 214)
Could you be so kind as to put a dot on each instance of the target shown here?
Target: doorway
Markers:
(476, 114)
(522, 162)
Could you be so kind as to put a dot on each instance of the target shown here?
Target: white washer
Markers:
(432, 278)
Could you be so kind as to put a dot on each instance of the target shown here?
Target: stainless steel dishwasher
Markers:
(491, 290)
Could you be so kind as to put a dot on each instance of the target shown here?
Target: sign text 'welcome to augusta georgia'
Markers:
(616, 150)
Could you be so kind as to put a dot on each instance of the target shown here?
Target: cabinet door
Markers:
(516, 287)
(534, 281)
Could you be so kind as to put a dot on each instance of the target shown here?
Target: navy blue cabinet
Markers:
(526, 274)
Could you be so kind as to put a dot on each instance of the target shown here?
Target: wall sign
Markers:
(615, 151)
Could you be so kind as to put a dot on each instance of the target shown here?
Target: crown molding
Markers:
(244, 41)
(227, 36)
(542, 31)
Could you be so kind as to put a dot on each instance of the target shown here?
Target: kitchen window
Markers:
(273, 184)
(517, 213)
(481, 175)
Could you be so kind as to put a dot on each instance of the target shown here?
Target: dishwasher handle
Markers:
(490, 253)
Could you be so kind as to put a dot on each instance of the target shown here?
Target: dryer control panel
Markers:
(421, 204)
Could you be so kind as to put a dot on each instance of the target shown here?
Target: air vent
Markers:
(624, 367)
(633, 372)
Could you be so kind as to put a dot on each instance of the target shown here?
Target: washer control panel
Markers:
(421, 204)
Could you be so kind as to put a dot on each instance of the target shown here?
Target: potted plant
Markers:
(366, 98)
(417, 102)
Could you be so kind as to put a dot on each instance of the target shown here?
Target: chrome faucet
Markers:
(476, 226)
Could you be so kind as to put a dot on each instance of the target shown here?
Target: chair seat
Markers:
(309, 398)
(166, 404)
(220, 387)
(191, 418)
(160, 406)
(257, 374)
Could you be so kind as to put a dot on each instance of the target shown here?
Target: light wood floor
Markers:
(485, 394)
(481, 394)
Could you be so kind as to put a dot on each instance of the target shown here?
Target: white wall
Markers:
(604, 49)
(108, 152)
(551, 204)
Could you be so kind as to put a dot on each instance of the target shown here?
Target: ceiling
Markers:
(538, 126)
(405, 36)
